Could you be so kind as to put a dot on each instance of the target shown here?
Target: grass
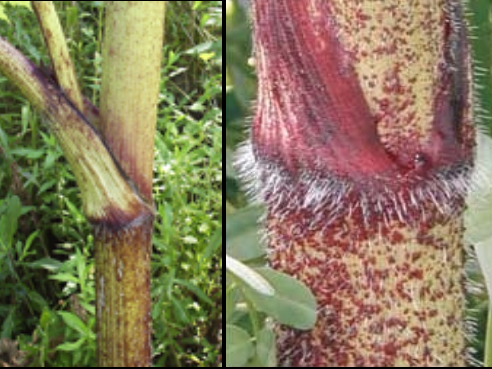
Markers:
(46, 247)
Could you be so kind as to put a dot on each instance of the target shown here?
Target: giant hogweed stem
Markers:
(361, 149)
(131, 72)
(116, 198)
(109, 200)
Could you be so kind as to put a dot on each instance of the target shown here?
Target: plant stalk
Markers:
(361, 149)
(131, 74)
(58, 49)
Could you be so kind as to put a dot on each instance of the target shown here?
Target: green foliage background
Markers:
(46, 247)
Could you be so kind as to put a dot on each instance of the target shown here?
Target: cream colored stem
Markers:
(57, 47)
(107, 194)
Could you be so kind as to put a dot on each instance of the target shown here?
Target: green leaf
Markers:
(200, 48)
(292, 304)
(88, 306)
(238, 346)
(206, 56)
(80, 264)
(214, 243)
(196, 106)
(198, 292)
(74, 322)
(248, 276)
(478, 216)
(37, 299)
(46, 263)
(242, 238)
(266, 353)
(179, 311)
(74, 211)
(71, 346)
(27, 153)
(25, 249)
(8, 324)
(230, 303)
(46, 186)
(48, 317)
(483, 250)
(72, 16)
(49, 162)
(9, 221)
(65, 277)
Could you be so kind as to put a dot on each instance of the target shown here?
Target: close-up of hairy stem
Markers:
(361, 148)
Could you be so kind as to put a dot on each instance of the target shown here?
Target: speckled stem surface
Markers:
(391, 296)
(361, 148)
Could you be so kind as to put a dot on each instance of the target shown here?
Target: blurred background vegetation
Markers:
(46, 247)
(242, 239)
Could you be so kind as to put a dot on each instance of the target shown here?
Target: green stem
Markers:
(58, 49)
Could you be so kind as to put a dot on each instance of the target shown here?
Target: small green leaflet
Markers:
(478, 216)
(249, 276)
